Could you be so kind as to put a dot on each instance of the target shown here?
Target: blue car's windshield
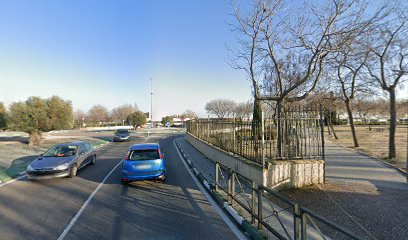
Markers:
(61, 151)
(145, 154)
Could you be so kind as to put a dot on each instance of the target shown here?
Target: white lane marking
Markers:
(15, 179)
(75, 218)
(224, 217)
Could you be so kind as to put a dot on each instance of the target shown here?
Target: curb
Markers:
(103, 144)
(401, 171)
(251, 230)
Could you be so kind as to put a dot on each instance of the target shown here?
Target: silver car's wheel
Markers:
(73, 171)
(93, 160)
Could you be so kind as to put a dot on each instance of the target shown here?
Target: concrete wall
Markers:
(241, 165)
(293, 173)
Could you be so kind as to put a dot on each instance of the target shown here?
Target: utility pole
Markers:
(151, 100)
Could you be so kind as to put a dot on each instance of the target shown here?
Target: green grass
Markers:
(95, 142)
(18, 165)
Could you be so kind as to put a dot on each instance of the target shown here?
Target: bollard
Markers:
(297, 222)
(253, 203)
(233, 175)
(217, 167)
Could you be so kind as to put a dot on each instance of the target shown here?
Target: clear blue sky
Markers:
(104, 52)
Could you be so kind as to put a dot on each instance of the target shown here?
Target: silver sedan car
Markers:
(62, 160)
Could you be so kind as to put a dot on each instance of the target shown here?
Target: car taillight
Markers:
(127, 156)
(160, 154)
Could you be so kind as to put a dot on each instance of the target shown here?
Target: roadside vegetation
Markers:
(16, 154)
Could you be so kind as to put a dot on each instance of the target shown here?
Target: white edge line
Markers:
(233, 213)
(227, 221)
(13, 180)
(78, 214)
(206, 184)
(189, 162)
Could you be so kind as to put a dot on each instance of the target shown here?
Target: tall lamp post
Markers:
(151, 100)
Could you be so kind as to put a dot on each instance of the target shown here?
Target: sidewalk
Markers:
(371, 192)
(374, 194)
(277, 217)
(343, 165)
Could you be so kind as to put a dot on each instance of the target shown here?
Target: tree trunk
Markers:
(35, 138)
(279, 129)
(351, 121)
(393, 120)
(256, 126)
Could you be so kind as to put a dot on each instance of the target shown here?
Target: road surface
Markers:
(95, 205)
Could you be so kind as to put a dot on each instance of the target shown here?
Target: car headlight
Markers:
(62, 166)
(29, 168)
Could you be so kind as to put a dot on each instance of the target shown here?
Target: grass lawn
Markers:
(15, 154)
(375, 142)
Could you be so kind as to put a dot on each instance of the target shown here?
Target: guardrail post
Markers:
(304, 226)
(297, 222)
(217, 167)
(260, 208)
(229, 187)
(233, 175)
(253, 203)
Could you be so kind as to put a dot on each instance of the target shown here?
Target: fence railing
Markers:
(271, 212)
(297, 134)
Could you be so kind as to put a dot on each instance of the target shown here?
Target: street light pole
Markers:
(151, 100)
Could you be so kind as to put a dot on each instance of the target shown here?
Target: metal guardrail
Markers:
(272, 212)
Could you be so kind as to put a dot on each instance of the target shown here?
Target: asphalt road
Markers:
(176, 209)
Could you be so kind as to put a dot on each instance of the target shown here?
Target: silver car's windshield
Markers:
(61, 151)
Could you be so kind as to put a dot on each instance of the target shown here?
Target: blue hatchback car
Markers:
(144, 161)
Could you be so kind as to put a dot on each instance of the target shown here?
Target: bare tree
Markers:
(349, 65)
(388, 62)
(98, 114)
(188, 114)
(79, 117)
(283, 48)
(364, 107)
(243, 110)
(122, 112)
(220, 107)
(284, 52)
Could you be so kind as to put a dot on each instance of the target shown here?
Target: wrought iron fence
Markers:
(271, 212)
(297, 134)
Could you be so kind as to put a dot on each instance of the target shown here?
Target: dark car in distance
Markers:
(62, 160)
(121, 135)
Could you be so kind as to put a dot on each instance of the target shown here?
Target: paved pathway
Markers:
(371, 192)
(344, 165)
(360, 187)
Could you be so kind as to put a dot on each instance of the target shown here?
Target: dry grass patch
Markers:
(374, 142)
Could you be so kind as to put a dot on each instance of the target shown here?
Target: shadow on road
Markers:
(17, 166)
